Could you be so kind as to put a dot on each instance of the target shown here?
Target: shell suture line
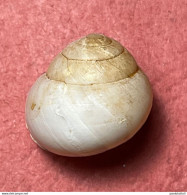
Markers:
(94, 60)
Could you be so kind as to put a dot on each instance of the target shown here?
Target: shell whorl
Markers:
(93, 59)
(93, 47)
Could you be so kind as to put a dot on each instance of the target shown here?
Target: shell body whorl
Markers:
(92, 98)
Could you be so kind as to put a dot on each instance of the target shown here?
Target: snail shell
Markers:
(92, 98)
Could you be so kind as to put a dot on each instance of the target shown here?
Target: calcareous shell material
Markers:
(92, 98)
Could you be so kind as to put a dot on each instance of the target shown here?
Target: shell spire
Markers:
(93, 59)
(93, 47)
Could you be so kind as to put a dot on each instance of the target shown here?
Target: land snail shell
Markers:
(92, 98)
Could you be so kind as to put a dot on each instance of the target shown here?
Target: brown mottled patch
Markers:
(33, 106)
